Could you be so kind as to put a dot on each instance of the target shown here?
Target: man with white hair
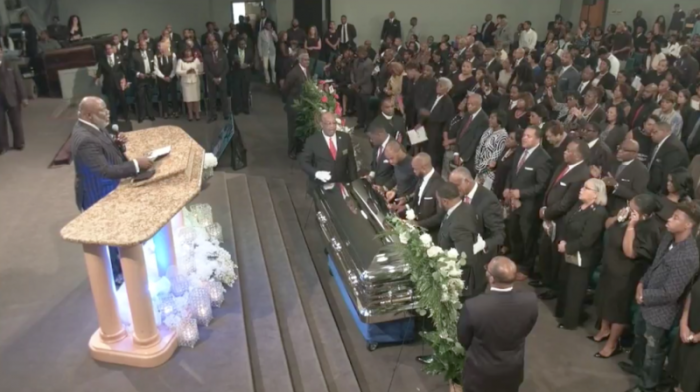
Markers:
(438, 116)
(99, 160)
(328, 156)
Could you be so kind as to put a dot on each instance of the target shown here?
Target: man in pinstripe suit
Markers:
(99, 160)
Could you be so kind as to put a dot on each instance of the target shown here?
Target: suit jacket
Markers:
(138, 66)
(111, 75)
(562, 195)
(688, 126)
(352, 33)
(458, 230)
(489, 220)
(125, 48)
(260, 24)
(631, 181)
(694, 169)
(494, 68)
(671, 156)
(439, 119)
(383, 170)
(215, 68)
(236, 60)
(317, 157)
(394, 127)
(468, 141)
(293, 85)
(569, 80)
(392, 29)
(492, 328)
(99, 164)
(601, 156)
(404, 181)
(608, 82)
(640, 112)
(362, 75)
(11, 84)
(532, 179)
(583, 232)
(429, 214)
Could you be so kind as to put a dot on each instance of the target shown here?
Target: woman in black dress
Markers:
(331, 41)
(582, 246)
(629, 250)
(283, 59)
(75, 28)
(505, 163)
(679, 187)
(462, 83)
(685, 355)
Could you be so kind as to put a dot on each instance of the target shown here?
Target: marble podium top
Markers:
(133, 213)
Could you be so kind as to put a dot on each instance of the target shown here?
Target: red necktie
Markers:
(464, 129)
(636, 114)
(331, 147)
(522, 160)
(559, 177)
(467, 200)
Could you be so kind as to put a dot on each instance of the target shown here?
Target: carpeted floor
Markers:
(47, 314)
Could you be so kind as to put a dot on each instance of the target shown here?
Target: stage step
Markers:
(267, 354)
(230, 369)
(330, 349)
(299, 346)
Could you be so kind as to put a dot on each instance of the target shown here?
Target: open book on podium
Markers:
(417, 136)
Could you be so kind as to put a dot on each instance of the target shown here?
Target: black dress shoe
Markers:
(537, 284)
(547, 295)
(617, 351)
(425, 359)
(592, 338)
(18, 148)
(627, 368)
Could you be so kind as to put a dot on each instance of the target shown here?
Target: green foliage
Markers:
(309, 107)
(437, 279)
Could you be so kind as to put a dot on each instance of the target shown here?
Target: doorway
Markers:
(250, 9)
(593, 11)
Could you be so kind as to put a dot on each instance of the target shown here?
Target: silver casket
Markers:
(377, 281)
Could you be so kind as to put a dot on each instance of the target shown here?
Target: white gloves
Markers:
(480, 245)
(323, 176)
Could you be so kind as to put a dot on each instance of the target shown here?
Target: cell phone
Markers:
(144, 175)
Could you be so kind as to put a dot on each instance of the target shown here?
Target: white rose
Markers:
(410, 215)
(434, 251)
(403, 238)
(426, 239)
(453, 253)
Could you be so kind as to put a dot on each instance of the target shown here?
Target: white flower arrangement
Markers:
(210, 161)
(410, 215)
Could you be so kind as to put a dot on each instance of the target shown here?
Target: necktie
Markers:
(636, 114)
(344, 34)
(241, 54)
(693, 133)
(522, 160)
(464, 128)
(653, 156)
(216, 55)
(331, 147)
(467, 200)
(379, 153)
(619, 170)
(580, 89)
(559, 177)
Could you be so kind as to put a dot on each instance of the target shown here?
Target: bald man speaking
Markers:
(492, 328)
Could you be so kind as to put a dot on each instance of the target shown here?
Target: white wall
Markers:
(451, 17)
(109, 16)
(625, 10)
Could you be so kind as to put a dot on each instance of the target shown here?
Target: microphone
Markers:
(114, 129)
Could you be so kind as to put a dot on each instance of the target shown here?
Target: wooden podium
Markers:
(130, 215)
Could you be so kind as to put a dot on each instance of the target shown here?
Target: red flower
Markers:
(342, 122)
(324, 99)
(335, 96)
(338, 111)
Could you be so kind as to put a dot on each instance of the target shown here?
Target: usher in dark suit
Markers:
(601, 156)
(391, 29)
(11, 95)
(112, 76)
(469, 136)
(490, 225)
(383, 170)
(569, 80)
(438, 122)
(240, 88)
(632, 180)
(144, 87)
(429, 215)
(561, 196)
(492, 328)
(394, 126)
(692, 140)
(669, 157)
(291, 90)
(459, 230)
(317, 157)
(523, 223)
(216, 66)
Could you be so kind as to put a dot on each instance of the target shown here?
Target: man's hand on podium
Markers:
(144, 163)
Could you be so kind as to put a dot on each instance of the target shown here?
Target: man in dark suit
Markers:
(601, 157)
(561, 195)
(175, 38)
(99, 160)
(437, 122)
(381, 170)
(387, 119)
(691, 134)
(260, 23)
(112, 69)
(526, 185)
(493, 328)
(423, 202)
(216, 69)
(627, 178)
(569, 76)
(489, 223)
(404, 181)
(643, 107)
(125, 46)
(142, 65)
(242, 62)
(468, 137)
(491, 63)
(668, 155)
(458, 229)
(347, 34)
(687, 67)
(391, 27)
(487, 30)
(328, 156)
(291, 91)
(361, 78)
(12, 98)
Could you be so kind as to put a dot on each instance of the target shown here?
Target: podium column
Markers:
(165, 248)
(99, 269)
(136, 279)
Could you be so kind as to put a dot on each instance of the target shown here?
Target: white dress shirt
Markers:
(502, 290)
(593, 143)
(146, 63)
(528, 39)
(335, 142)
(424, 184)
(439, 97)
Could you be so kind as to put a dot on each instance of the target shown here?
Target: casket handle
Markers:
(336, 244)
(321, 217)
